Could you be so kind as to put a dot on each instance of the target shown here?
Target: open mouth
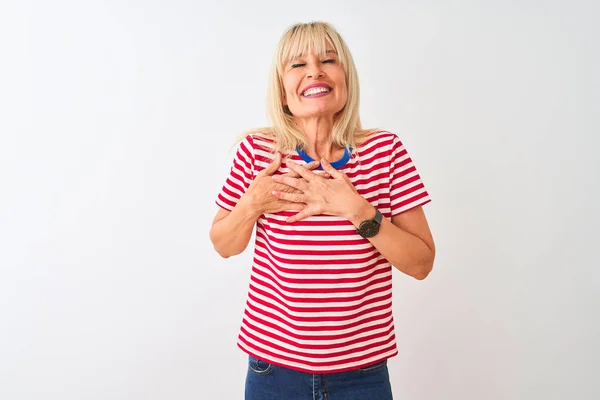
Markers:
(317, 91)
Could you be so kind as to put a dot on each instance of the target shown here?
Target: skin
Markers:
(405, 241)
(315, 116)
(231, 230)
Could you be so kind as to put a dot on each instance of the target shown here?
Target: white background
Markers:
(117, 120)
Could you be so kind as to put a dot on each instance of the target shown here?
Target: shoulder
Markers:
(255, 140)
(378, 139)
(258, 146)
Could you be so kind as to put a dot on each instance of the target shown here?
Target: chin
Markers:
(320, 112)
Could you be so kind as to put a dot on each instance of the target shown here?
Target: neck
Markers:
(319, 141)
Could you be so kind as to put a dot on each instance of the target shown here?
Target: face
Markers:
(315, 86)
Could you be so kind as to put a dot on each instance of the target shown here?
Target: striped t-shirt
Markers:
(320, 295)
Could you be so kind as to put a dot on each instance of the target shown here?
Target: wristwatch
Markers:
(370, 227)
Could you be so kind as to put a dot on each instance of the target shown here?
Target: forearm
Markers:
(405, 251)
(230, 236)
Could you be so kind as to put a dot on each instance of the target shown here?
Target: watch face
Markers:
(369, 229)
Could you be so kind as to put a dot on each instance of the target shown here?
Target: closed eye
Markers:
(328, 61)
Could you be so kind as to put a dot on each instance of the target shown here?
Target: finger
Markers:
(285, 188)
(289, 206)
(330, 170)
(310, 166)
(303, 172)
(274, 166)
(293, 197)
(305, 213)
(296, 183)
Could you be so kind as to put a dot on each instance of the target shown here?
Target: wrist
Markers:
(249, 206)
(360, 211)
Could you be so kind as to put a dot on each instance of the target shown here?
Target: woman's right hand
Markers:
(260, 193)
(231, 230)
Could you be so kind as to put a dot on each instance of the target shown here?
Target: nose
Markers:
(314, 70)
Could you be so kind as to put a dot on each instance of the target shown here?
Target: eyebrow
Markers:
(303, 54)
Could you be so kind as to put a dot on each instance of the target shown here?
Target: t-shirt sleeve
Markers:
(240, 176)
(407, 190)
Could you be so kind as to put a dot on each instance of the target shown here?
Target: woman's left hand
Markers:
(335, 196)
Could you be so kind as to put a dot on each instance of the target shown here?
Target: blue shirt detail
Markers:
(335, 164)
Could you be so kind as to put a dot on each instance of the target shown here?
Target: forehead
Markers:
(303, 43)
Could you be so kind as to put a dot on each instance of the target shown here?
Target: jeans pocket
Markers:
(373, 367)
(259, 367)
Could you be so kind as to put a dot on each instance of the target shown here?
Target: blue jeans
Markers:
(265, 381)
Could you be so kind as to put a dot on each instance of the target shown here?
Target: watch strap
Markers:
(378, 216)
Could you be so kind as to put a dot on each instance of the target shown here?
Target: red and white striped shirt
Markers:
(320, 295)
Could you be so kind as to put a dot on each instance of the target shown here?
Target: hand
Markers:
(259, 194)
(336, 196)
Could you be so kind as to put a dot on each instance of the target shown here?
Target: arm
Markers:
(231, 230)
(406, 241)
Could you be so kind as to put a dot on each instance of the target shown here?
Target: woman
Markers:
(335, 207)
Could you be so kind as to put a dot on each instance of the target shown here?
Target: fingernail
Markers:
(324, 161)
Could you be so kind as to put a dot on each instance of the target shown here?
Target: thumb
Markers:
(274, 166)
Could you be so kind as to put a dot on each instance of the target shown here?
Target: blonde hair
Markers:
(297, 40)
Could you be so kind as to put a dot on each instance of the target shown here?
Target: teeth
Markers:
(315, 90)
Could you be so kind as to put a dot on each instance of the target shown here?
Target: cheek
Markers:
(289, 85)
(341, 84)
(343, 93)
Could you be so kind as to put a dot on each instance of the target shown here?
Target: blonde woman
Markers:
(336, 208)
